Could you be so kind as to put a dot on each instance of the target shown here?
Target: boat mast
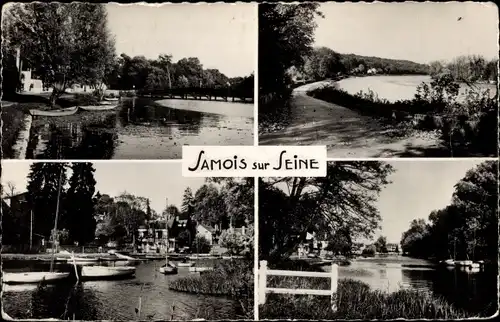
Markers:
(166, 228)
(57, 217)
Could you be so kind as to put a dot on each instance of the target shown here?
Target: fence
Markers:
(263, 289)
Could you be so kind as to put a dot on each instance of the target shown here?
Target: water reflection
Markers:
(137, 129)
(117, 300)
(475, 292)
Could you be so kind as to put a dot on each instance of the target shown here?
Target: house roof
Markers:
(210, 229)
(16, 195)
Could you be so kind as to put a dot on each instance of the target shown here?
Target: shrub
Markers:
(201, 245)
(86, 99)
(369, 250)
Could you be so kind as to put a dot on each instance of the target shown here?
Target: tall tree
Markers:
(79, 203)
(63, 42)
(345, 197)
(187, 206)
(43, 184)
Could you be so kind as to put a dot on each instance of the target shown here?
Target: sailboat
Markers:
(37, 277)
(167, 268)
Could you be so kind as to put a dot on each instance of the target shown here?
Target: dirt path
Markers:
(345, 132)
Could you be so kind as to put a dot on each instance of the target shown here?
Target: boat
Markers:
(60, 112)
(111, 99)
(106, 103)
(168, 269)
(33, 277)
(195, 269)
(37, 277)
(126, 257)
(93, 108)
(102, 272)
(82, 260)
(467, 263)
(448, 262)
(185, 264)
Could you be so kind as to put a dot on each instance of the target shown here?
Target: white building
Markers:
(207, 232)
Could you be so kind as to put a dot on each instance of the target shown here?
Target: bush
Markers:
(237, 243)
(237, 277)
(201, 245)
(86, 99)
(369, 250)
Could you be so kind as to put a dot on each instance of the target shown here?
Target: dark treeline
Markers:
(323, 63)
(465, 229)
(471, 68)
(162, 75)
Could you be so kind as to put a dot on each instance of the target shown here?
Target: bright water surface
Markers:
(141, 128)
(106, 300)
(475, 292)
(395, 88)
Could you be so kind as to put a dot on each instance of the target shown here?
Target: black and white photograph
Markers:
(126, 81)
(378, 240)
(125, 241)
(370, 80)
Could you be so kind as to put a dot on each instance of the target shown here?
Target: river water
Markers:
(474, 292)
(111, 300)
(141, 128)
(395, 88)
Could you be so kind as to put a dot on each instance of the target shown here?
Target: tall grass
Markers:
(229, 278)
(355, 300)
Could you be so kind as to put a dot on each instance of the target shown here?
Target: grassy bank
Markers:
(229, 278)
(355, 300)
(465, 128)
(12, 123)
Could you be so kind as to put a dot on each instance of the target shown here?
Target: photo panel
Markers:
(380, 80)
(83, 241)
(126, 81)
(410, 239)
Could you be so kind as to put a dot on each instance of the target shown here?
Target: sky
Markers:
(420, 32)
(223, 36)
(417, 188)
(153, 180)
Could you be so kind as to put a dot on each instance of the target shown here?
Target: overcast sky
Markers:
(418, 187)
(222, 36)
(420, 32)
(153, 180)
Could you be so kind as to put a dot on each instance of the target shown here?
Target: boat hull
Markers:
(190, 264)
(195, 269)
(105, 272)
(111, 99)
(105, 107)
(32, 277)
(61, 112)
(168, 270)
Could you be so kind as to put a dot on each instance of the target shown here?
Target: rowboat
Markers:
(105, 103)
(168, 269)
(98, 272)
(185, 264)
(448, 262)
(111, 99)
(60, 112)
(195, 269)
(82, 260)
(464, 263)
(93, 108)
(32, 277)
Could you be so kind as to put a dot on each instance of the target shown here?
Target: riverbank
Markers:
(229, 278)
(355, 300)
(14, 122)
(345, 132)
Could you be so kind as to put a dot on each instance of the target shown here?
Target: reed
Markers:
(355, 301)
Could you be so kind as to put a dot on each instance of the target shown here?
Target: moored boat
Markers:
(103, 272)
(448, 262)
(185, 264)
(82, 260)
(111, 99)
(464, 263)
(168, 269)
(60, 112)
(33, 277)
(195, 269)
(104, 107)
(106, 103)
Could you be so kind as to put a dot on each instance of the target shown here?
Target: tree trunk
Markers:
(54, 96)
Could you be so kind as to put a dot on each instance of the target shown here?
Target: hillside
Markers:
(389, 66)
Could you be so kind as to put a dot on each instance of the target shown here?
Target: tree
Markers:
(381, 244)
(43, 185)
(80, 207)
(341, 242)
(286, 35)
(187, 206)
(63, 42)
(369, 250)
(345, 197)
(201, 245)
(11, 189)
(234, 241)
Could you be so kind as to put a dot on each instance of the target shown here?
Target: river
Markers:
(474, 292)
(111, 300)
(395, 88)
(141, 128)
